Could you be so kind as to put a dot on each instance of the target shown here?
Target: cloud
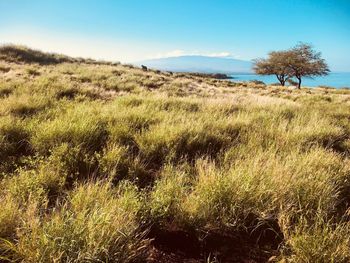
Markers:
(180, 52)
(221, 55)
(124, 50)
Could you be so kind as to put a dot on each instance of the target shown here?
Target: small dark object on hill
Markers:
(292, 82)
(130, 66)
(209, 75)
(221, 76)
(258, 82)
(4, 69)
(325, 87)
(33, 72)
(144, 68)
(275, 84)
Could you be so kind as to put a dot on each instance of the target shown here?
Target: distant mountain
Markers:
(201, 64)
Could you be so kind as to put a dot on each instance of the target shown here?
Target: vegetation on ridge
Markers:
(110, 163)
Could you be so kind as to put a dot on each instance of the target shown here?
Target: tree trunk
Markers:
(281, 80)
(299, 83)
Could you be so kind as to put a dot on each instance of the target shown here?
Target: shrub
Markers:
(5, 91)
(292, 82)
(257, 82)
(32, 72)
(69, 93)
(4, 69)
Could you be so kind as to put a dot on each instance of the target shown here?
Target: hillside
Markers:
(104, 162)
(199, 64)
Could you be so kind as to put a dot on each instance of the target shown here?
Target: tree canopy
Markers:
(274, 65)
(297, 62)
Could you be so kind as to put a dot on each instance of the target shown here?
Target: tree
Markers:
(299, 61)
(275, 64)
(303, 61)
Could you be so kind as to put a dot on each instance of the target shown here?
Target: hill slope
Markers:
(110, 163)
(199, 64)
(11, 53)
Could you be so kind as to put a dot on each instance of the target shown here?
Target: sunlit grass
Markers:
(94, 155)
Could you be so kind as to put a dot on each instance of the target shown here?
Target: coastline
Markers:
(337, 80)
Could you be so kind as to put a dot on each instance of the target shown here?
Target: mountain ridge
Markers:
(199, 63)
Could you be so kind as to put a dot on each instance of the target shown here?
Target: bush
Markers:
(257, 82)
(5, 91)
(33, 72)
(292, 82)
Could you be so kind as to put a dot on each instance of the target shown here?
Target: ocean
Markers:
(336, 80)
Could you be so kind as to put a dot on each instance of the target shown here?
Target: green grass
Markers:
(95, 156)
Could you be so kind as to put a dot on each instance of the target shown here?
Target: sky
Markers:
(134, 30)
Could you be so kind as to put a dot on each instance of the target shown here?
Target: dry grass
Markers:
(94, 154)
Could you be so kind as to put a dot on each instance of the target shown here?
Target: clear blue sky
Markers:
(130, 30)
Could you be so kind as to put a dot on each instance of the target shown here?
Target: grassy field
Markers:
(102, 162)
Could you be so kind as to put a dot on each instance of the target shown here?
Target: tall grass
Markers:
(96, 223)
(95, 155)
